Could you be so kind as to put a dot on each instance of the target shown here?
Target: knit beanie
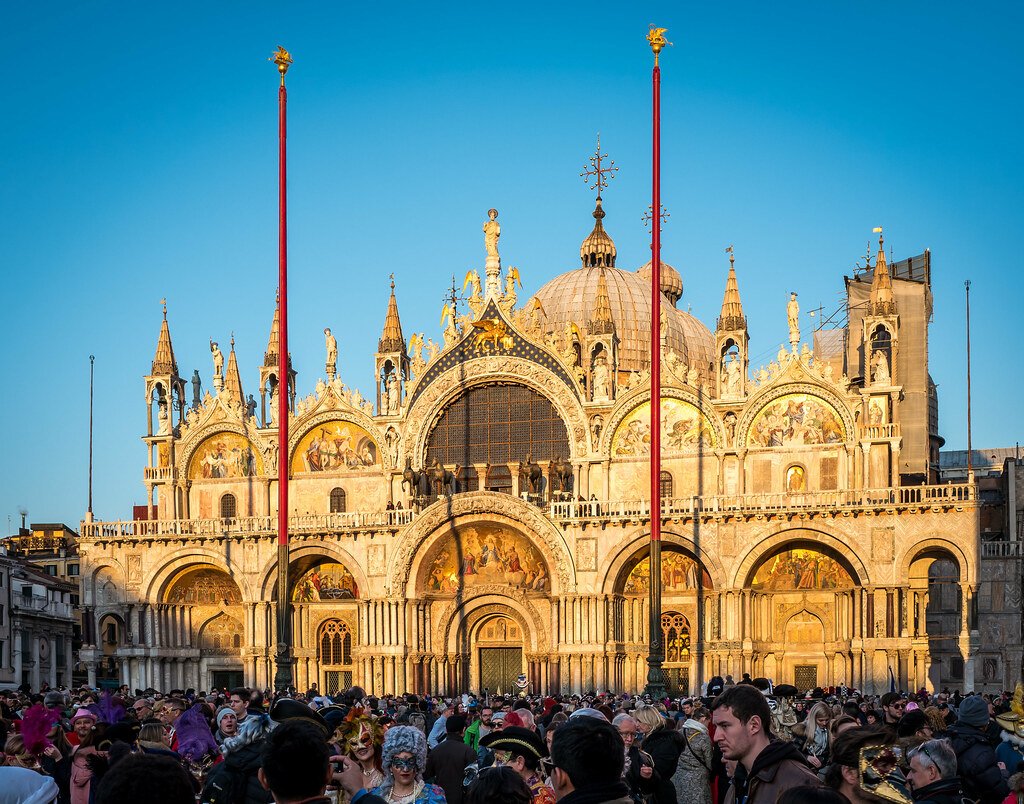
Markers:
(973, 711)
(224, 710)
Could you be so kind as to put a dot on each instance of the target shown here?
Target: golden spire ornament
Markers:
(283, 59)
(656, 36)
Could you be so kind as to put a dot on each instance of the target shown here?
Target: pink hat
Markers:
(83, 713)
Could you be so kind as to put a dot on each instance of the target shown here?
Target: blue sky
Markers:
(140, 163)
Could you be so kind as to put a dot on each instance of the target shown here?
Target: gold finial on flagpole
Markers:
(283, 59)
(656, 36)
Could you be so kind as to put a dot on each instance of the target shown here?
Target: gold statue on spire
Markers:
(283, 59)
(656, 36)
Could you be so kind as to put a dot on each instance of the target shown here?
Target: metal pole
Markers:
(92, 364)
(283, 675)
(655, 677)
(970, 462)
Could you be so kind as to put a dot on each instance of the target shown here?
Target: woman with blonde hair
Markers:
(815, 736)
(664, 746)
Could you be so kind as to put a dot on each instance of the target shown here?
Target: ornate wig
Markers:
(400, 739)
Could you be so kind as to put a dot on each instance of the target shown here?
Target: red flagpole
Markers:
(655, 678)
(283, 675)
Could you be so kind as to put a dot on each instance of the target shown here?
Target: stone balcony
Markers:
(849, 502)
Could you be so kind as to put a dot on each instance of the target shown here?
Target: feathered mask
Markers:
(1013, 721)
(359, 728)
(195, 740)
(35, 728)
(110, 709)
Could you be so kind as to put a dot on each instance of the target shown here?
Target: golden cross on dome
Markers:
(646, 217)
(601, 175)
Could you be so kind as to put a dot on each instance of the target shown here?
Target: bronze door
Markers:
(499, 668)
(805, 676)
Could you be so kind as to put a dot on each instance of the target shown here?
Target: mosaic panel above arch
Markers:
(800, 569)
(336, 446)
(679, 574)
(684, 429)
(483, 555)
(203, 586)
(328, 581)
(225, 455)
(796, 419)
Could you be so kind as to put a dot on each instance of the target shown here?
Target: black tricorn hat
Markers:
(518, 740)
(290, 709)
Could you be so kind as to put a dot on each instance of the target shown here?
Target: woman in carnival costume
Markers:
(360, 736)
(404, 758)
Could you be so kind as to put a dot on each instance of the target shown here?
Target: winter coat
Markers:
(639, 787)
(944, 791)
(235, 780)
(664, 746)
(977, 765)
(777, 768)
(692, 778)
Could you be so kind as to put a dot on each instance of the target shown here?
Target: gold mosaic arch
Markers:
(336, 446)
(637, 402)
(351, 417)
(473, 508)
(443, 390)
(188, 446)
(479, 555)
(637, 541)
(779, 395)
(328, 552)
(159, 580)
(803, 538)
(202, 586)
(225, 454)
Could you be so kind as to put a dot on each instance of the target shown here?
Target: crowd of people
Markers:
(738, 743)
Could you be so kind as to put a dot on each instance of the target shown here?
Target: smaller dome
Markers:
(671, 281)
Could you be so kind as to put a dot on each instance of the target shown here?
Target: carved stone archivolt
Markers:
(764, 398)
(190, 443)
(480, 506)
(447, 386)
(637, 397)
(304, 424)
(473, 610)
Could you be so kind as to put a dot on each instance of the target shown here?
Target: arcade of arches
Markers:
(483, 611)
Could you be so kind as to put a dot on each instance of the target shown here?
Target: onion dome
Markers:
(671, 281)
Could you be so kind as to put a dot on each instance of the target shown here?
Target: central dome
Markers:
(572, 296)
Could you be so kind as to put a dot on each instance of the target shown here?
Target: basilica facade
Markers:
(485, 512)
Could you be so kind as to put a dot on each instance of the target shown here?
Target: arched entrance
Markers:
(804, 644)
(935, 619)
(201, 617)
(685, 584)
(497, 646)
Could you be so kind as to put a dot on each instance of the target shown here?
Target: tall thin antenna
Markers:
(92, 364)
(967, 288)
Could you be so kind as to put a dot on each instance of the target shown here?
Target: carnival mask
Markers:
(881, 773)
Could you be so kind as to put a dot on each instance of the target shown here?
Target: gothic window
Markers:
(497, 424)
(335, 643)
(675, 632)
(666, 485)
(881, 341)
(338, 501)
(228, 507)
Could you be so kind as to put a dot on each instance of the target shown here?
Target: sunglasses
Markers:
(409, 764)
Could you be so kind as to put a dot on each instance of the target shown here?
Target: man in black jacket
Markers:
(932, 775)
(447, 763)
(976, 760)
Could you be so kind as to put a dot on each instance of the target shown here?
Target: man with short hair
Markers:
(438, 730)
(238, 700)
(587, 757)
(447, 763)
(766, 767)
(932, 774)
(142, 709)
(893, 707)
(479, 728)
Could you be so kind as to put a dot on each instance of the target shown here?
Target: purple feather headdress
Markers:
(195, 740)
(35, 728)
(110, 709)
